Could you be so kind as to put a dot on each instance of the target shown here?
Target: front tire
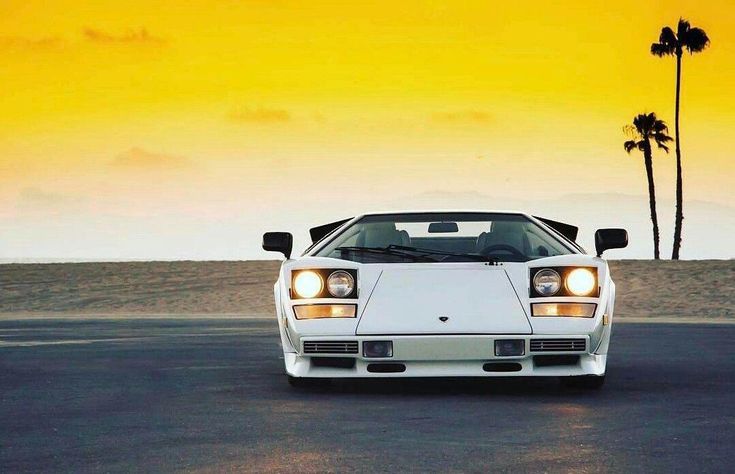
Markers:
(586, 382)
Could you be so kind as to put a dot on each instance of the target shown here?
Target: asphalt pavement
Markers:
(209, 395)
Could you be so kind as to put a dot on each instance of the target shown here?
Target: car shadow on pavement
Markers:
(527, 386)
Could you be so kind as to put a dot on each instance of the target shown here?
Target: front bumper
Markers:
(450, 356)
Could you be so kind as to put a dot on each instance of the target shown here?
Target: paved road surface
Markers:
(209, 395)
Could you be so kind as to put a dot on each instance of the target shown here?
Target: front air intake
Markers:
(386, 368)
(558, 345)
(502, 367)
(330, 347)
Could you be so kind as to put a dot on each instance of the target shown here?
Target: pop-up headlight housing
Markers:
(324, 283)
(564, 281)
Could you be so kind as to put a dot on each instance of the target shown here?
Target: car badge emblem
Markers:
(443, 319)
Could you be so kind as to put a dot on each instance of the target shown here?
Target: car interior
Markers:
(512, 240)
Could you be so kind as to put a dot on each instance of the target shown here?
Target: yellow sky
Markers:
(166, 107)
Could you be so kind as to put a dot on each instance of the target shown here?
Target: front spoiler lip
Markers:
(588, 364)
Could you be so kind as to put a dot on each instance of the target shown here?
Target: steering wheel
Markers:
(502, 247)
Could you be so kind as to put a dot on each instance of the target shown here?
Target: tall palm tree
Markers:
(669, 43)
(647, 127)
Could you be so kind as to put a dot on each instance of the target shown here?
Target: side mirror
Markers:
(606, 239)
(278, 242)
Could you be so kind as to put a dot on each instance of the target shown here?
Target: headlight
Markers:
(547, 282)
(324, 283)
(308, 284)
(377, 349)
(340, 284)
(580, 282)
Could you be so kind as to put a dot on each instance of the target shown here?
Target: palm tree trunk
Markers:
(679, 193)
(648, 159)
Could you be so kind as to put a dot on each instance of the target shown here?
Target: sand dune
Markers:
(646, 289)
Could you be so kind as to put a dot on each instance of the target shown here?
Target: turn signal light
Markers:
(318, 311)
(572, 310)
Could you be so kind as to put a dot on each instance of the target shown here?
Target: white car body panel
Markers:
(485, 299)
(402, 302)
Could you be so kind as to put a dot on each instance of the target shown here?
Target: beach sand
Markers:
(665, 290)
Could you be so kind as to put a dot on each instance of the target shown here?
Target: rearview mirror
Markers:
(443, 227)
(278, 242)
(606, 239)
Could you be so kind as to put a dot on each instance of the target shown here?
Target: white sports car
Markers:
(436, 294)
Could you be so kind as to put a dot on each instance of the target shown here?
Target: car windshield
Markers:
(444, 237)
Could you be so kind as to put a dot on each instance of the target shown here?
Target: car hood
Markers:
(443, 300)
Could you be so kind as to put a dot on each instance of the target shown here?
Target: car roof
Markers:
(447, 211)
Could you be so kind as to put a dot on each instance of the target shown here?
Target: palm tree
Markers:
(647, 127)
(669, 43)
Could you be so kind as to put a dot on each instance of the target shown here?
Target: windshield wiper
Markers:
(475, 256)
(390, 250)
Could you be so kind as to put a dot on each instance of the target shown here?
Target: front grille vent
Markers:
(557, 345)
(330, 347)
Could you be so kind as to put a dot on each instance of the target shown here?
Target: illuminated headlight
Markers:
(572, 310)
(340, 284)
(580, 282)
(308, 284)
(319, 311)
(547, 282)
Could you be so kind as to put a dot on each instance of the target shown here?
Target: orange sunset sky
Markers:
(169, 129)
